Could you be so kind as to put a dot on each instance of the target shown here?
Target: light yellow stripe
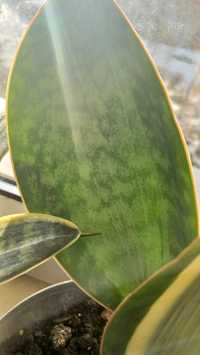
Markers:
(138, 344)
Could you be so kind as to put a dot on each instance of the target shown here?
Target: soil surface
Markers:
(78, 331)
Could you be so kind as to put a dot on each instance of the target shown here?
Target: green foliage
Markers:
(136, 307)
(172, 324)
(94, 140)
(29, 239)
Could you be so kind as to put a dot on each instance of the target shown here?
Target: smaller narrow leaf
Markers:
(29, 239)
(133, 310)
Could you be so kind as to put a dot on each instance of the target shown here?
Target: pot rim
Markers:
(34, 295)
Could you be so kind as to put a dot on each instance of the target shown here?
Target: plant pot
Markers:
(17, 290)
(43, 306)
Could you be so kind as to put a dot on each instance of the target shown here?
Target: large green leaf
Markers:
(133, 310)
(173, 323)
(94, 140)
(29, 239)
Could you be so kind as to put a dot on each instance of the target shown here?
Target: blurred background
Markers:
(170, 30)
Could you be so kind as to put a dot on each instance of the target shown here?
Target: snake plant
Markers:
(94, 140)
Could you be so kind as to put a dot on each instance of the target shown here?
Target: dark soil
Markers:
(78, 331)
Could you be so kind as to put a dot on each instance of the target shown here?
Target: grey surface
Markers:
(171, 31)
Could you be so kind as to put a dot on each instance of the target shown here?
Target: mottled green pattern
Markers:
(29, 239)
(93, 140)
(136, 307)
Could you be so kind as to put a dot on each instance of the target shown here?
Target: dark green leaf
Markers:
(94, 140)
